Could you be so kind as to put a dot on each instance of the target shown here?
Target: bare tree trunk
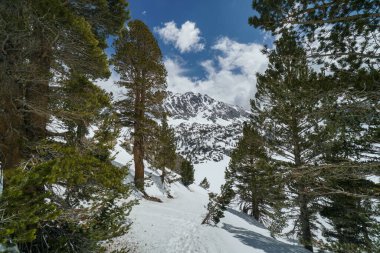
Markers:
(138, 155)
(255, 208)
(306, 236)
(163, 175)
(138, 144)
(37, 94)
(10, 130)
(11, 122)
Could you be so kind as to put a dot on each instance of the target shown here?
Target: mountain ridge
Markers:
(206, 129)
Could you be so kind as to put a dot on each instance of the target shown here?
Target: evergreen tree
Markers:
(341, 35)
(353, 219)
(349, 141)
(165, 154)
(218, 203)
(79, 204)
(204, 184)
(186, 172)
(284, 112)
(81, 105)
(51, 49)
(46, 39)
(138, 60)
(255, 180)
(346, 30)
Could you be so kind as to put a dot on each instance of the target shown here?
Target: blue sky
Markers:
(208, 46)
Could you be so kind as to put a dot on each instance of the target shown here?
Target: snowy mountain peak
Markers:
(198, 108)
(206, 129)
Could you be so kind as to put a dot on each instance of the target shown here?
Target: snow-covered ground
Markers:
(175, 225)
(213, 171)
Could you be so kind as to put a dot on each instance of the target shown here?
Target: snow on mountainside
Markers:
(206, 129)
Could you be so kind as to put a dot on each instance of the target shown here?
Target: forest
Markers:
(309, 151)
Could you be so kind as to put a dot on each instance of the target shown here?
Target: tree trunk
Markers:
(255, 208)
(37, 94)
(138, 155)
(306, 236)
(11, 130)
(254, 198)
(81, 133)
(138, 144)
(163, 175)
(10, 125)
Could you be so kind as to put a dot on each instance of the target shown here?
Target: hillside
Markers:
(174, 226)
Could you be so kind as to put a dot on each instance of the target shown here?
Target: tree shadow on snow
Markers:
(246, 217)
(258, 241)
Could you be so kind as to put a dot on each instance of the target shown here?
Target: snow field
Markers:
(174, 226)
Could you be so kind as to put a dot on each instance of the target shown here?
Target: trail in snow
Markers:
(174, 225)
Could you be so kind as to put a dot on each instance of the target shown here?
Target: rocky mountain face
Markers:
(206, 129)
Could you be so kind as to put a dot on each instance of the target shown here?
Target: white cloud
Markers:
(230, 77)
(185, 39)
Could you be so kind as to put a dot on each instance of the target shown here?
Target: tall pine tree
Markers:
(45, 43)
(46, 39)
(284, 112)
(138, 60)
(79, 204)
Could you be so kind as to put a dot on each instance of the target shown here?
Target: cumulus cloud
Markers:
(186, 38)
(230, 76)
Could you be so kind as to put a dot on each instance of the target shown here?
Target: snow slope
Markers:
(174, 226)
(213, 171)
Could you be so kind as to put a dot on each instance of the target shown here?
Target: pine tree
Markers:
(353, 219)
(79, 205)
(255, 180)
(51, 48)
(349, 141)
(218, 203)
(81, 105)
(340, 36)
(138, 60)
(346, 30)
(204, 184)
(165, 145)
(284, 112)
(187, 172)
(40, 37)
